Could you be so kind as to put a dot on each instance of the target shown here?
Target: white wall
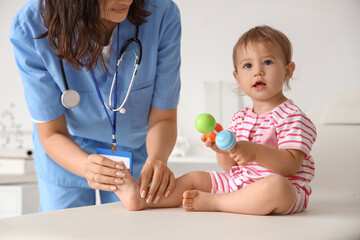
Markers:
(325, 36)
(15, 122)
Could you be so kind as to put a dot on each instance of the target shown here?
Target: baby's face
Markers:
(261, 71)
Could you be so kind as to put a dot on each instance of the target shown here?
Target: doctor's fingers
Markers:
(106, 176)
(171, 186)
(161, 182)
(166, 187)
(109, 180)
(153, 187)
(96, 185)
(103, 161)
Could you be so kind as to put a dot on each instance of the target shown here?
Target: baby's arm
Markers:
(282, 161)
(223, 157)
(225, 161)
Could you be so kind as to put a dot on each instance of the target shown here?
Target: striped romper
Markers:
(285, 127)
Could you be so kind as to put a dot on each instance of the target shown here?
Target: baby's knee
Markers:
(281, 192)
(278, 185)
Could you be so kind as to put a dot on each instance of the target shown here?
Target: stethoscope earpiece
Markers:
(70, 98)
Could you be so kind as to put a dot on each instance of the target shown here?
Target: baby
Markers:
(270, 168)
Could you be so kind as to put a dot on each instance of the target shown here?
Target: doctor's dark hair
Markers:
(75, 31)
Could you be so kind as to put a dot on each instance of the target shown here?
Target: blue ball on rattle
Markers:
(225, 140)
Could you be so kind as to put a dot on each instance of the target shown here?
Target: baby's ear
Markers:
(290, 68)
(236, 76)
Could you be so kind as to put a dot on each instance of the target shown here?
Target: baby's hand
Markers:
(209, 143)
(242, 153)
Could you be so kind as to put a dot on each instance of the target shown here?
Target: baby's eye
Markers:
(267, 62)
(247, 65)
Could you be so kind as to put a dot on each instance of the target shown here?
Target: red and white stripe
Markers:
(285, 127)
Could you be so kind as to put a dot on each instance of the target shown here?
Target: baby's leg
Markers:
(128, 192)
(273, 194)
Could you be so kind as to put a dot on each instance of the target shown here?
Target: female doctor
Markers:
(60, 45)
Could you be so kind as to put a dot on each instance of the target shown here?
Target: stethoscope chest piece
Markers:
(70, 98)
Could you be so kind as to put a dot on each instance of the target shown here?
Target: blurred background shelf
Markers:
(19, 194)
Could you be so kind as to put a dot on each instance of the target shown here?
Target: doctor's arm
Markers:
(160, 141)
(59, 145)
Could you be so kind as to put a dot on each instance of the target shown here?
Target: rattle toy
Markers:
(206, 124)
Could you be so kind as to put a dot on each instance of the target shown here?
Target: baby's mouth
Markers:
(259, 84)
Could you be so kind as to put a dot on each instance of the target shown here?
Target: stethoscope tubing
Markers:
(109, 105)
(138, 58)
(119, 109)
(71, 98)
(63, 74)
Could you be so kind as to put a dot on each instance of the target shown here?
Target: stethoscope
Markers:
(71, 98)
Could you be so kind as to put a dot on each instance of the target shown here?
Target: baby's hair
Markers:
(264, 34)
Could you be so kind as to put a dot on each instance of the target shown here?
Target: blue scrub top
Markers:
(156, 84)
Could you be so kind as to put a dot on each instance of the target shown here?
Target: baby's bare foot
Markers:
(194, 200)
(128, 192)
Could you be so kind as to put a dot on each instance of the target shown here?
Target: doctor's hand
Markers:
(104, 174)
(161, 178)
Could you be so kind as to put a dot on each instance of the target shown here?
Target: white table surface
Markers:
(327, 217)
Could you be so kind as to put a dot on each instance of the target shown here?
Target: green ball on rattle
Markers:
(205, 123)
